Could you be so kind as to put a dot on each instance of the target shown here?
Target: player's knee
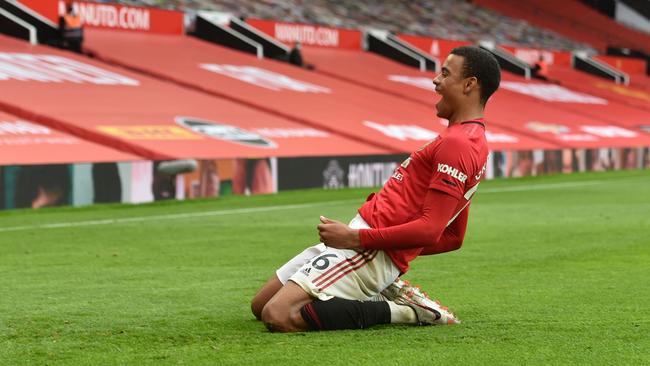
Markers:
(257, 305)
(272, 317)
(276, 318)
(297, 321)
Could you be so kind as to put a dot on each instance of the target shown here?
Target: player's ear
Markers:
(469, 84)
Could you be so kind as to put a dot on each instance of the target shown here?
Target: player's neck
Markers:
(465, 115)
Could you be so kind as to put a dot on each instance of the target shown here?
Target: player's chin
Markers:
(441, 110)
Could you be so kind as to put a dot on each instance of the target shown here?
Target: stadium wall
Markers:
(25, 186)
(114, 16)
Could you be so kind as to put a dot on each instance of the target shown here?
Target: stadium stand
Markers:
(447, 19)
(634, 95)
(519, 108)
(143, 116)
(145, 91)
(26, 142)
(573, 19)
(368, 115)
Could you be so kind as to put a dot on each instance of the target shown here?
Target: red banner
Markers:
(113, 16)
(625, 64)
(532, 55)
(369, 115)
(439, 48)
(309, 35)
(521, 115)
(147, 116)
(26, 142)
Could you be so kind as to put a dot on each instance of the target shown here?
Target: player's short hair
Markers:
(482, 65)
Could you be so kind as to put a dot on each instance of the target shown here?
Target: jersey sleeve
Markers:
(451, 166)
(423, 232)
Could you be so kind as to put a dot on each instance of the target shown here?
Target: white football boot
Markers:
(428, 311)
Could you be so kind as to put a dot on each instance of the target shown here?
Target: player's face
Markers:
(449, 85)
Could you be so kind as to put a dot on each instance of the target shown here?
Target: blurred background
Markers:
(136, 101)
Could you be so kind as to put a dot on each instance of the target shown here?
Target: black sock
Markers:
(339, 313)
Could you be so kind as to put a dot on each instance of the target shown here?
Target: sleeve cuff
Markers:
(364, 238)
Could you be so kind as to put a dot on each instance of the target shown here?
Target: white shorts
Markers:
(346, 273)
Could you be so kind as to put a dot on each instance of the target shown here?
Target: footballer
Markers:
(352, 279)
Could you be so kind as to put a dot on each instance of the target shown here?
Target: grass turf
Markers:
(554, 270)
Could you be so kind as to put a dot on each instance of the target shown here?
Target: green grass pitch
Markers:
(554, 271)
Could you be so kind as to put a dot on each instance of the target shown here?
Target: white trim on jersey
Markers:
(470, 192)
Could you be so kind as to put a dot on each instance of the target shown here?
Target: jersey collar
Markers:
(479, 121)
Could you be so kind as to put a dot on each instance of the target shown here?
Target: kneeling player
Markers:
(351, 279)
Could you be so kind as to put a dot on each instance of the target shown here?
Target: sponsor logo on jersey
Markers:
(225, 132)
(453, 172)
(480, 174)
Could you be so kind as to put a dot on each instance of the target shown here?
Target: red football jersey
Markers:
(454, 163)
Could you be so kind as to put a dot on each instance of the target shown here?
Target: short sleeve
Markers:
(451, 165)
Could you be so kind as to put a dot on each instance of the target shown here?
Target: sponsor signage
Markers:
(402, 132)
(625, 91)
(46, 68)
(337, 172)
(265, 78)
(625, 64)
(27, 142)
(532, 55)
(309, 35)
(113, 16)
(551, 93)
(149, 132)
(504, 138)
(284, 133)
(439, 48)
(416, 81)
(18, 133)
(584, 132)
(222, 131)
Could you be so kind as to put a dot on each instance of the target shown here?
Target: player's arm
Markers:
(419, 233)
(445, 192)
(425, 231)
(453, 236)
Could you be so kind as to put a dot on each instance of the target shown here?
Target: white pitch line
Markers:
(529, 187)
(173, 216)
(534, 187)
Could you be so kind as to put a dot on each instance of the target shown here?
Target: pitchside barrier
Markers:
(24, 186)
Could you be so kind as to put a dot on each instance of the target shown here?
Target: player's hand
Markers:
(336, 234)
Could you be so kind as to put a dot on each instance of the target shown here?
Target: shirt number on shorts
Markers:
(322, 262)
